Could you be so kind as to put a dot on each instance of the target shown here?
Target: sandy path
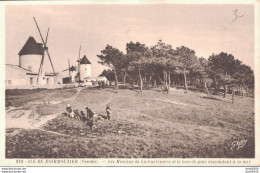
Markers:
(26, 122)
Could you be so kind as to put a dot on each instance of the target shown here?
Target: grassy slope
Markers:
(150, 124)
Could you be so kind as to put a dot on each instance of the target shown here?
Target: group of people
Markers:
(90, 117)
(101, 84)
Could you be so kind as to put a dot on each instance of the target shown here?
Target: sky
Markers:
(207, 29)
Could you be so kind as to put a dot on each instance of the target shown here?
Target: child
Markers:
(109, 112)
(76, 112)
(83, 116)
(68, 109)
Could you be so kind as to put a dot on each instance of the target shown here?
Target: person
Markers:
(68, 109)
(103, 84)
(99, 84)
(83, 116)
(90, 118)
(87, 113)
(109, 112)
(72, 114)
(76, 114)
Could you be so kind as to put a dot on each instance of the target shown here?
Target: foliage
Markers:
(167, 66)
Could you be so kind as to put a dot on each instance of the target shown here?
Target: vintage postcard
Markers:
(163, 83)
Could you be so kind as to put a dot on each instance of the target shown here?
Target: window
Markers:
(9, 82)
(47, 81)
(31, 81)
(30, 68)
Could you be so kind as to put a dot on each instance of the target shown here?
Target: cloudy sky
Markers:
(206, 29)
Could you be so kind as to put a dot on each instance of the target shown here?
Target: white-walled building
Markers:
(67, 76)
(84, 68)
(26, 73)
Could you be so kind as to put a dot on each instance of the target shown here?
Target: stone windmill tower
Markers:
(31, 56)
(84, 68)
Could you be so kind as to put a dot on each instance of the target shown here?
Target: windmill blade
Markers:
(39, 31)
(50, 61)
(79, 61)
(44, 43)
(47, 36)
(40, 68)
(69, 67)
(79, 51)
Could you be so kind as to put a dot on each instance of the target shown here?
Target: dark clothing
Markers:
(68, 109)
(103, 84)
(90, 114)
(83, 116)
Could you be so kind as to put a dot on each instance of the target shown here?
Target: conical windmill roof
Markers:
(85, 60)
(31, 47)
(72, 68)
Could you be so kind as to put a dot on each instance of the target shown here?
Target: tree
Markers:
(165, 59)
(187, 59)
(109, 74)
(223, 67)
(137, 53)
(112, 57)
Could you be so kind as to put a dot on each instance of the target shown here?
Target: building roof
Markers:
(72, 68)
(31, 47)
(15, 70)
(85, 60)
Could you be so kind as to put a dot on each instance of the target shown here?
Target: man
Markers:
(87, 113)
(90, 118)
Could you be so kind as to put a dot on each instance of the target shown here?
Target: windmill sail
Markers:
(45, 48)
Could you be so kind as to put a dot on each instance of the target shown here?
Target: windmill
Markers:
(45, 49)
(79, 62)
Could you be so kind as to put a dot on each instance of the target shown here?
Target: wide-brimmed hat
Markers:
(86, 107)
(68, 105)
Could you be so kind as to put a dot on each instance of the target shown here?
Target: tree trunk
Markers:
(140, 81)
(116, 83)
(124, 79)
(201, 82)
(185, 82)
(206, 88)
(164, 77)
(214, 82)
(169, 82)
(154, 82)
(232, 95)
(148, 83)
(195, 78)
(225, 90)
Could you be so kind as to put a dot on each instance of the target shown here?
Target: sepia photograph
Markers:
(124, 81)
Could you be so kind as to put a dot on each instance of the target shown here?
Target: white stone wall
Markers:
(85, 71)
(73, 74)
(33, 61)
(15, 76)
